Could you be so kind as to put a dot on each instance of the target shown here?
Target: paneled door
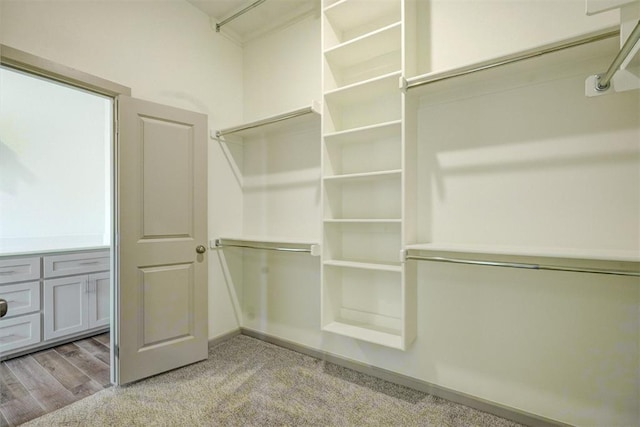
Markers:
(161, 264)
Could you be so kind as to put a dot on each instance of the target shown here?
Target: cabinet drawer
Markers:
(19, 269)
(22, 298)
(19, 332)
(80, 263)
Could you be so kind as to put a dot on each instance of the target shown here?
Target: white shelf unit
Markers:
(364, 291)
(279, 172)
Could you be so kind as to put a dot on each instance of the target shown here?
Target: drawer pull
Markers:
(6, 273)
(90, 263)
(4, 307)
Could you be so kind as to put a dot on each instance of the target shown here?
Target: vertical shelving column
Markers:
(363, 288)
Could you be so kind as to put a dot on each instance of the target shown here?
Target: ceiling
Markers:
(267, 16)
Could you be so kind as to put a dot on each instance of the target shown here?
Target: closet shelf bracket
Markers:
(624, 72)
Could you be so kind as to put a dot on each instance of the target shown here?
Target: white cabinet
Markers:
(20, 288)
(18, 332)
(364, 291)
(52, 297)
(66, 309)
(74, 304)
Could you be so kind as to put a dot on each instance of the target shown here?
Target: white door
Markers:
(161, 221)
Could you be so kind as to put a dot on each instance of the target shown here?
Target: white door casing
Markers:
(161, 207)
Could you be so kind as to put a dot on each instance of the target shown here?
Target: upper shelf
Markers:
(531, 252)
(273, 123)
(508, 69)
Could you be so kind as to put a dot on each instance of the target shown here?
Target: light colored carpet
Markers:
(247, 382)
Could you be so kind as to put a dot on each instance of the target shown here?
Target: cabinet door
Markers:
(65, 306)
(99, 299)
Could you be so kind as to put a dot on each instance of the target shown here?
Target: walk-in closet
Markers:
(443, 194)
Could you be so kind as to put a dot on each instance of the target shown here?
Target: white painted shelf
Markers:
(276, 244)
(347, 15)
(379, 266)
(364, 295)
(275, 123)
(367, 176)
(363, 221)
(531, 252)
(365, 133)
(377, 43)
(366, 333)
(364, 91)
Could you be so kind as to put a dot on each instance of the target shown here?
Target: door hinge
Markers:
(116, 351)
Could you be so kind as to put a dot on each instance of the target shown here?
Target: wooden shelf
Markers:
(310, 114)
(363, 48)
(378, 266)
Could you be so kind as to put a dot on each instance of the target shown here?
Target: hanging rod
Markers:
(508, 59)
(270, 120)
(235, 15)
(603, 81)
(522, 265)
(313, 248)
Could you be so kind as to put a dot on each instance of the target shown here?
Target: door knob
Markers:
(201, 249)
(4, 306)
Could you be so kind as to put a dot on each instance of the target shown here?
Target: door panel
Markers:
(161, 218)
(168, 179)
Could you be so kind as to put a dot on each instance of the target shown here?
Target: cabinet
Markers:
(52, 297)
(21, 325)
(76, 303)
(365, 293)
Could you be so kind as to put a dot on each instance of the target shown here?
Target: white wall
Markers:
(55, 168)
(462, 32)
(166, 52)
(282, 70)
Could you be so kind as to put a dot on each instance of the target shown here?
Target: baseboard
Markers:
(474, 402)
(223, 337)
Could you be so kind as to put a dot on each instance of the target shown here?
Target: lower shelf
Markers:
(366, 333)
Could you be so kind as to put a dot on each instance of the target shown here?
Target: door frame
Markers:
(23, 61)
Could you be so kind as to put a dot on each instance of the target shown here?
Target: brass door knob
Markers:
(201, 249)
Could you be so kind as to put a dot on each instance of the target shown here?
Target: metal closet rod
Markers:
(509, 59)
(268, 121)
(235, 15)
(522, 265)
(219, 244)
(603, 81)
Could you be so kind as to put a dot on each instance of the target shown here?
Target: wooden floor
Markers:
(42, 382)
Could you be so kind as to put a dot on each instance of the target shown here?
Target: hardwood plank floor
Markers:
(35, 384)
